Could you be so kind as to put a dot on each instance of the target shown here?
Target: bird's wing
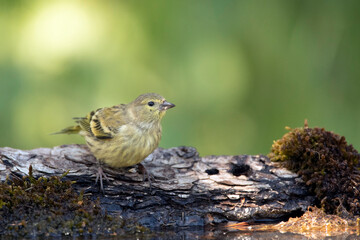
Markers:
(104, 122)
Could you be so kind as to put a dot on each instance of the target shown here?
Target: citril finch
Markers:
(125, 134)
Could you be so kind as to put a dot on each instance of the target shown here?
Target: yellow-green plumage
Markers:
(125, 134)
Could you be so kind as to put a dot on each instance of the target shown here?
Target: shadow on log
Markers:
(188, 190)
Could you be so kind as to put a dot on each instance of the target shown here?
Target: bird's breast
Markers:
(128, 147)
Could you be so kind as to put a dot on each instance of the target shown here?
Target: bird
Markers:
(122, 135)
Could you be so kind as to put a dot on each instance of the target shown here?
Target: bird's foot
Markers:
(100, 175)
(145, 173)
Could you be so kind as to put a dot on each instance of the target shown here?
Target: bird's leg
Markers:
(145, 173)
(99, 176)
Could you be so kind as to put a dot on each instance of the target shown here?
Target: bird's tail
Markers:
(69, 130)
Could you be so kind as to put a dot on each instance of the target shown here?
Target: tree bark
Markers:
(187, 190)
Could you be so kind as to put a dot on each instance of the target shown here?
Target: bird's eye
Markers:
(151, 103)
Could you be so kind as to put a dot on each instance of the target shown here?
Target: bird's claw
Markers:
(146, 174)
(99, 176)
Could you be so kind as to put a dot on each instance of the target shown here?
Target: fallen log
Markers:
(187, 190)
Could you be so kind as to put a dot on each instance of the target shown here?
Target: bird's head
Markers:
(150, 108)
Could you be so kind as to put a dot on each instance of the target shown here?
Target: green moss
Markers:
(327, 164)
(51, 207)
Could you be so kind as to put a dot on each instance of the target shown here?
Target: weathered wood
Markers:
(188, 190)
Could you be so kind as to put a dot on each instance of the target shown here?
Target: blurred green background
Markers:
(238, 71)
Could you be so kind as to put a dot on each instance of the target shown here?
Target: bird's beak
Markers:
(166, 105)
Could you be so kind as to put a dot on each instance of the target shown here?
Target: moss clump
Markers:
(327, 164)
(33, 207)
